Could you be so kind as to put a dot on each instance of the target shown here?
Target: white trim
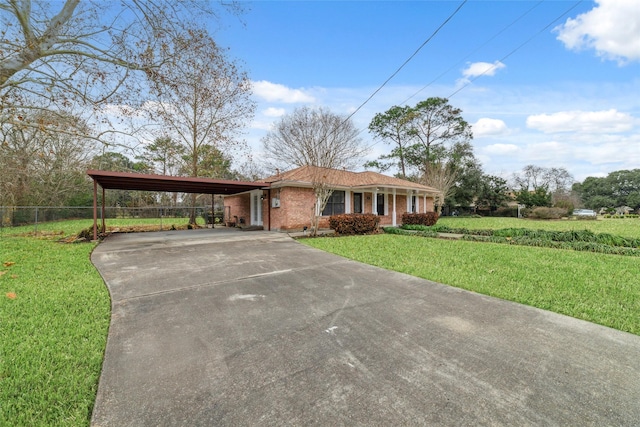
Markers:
(374, 203)
(393, 219)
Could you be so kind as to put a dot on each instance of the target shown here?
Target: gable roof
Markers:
(305, 175)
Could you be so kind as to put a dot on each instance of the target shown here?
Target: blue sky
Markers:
(557, 90)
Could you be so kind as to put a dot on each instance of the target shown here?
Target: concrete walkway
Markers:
(228, 328)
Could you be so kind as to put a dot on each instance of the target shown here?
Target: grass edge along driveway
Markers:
(54, 319)
(598, 288)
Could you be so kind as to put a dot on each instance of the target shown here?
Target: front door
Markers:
(256, 207)
(357, 202)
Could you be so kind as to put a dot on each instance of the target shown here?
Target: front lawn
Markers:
(629, 227)
(599, 288)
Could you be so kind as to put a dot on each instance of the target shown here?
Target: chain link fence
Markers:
(21, 216)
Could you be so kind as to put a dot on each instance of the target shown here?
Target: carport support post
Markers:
(213, 211)
(104, 224)
(95, 209)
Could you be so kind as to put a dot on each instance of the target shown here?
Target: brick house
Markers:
(287, 202)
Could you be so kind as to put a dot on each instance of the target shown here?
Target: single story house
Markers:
(287, 202)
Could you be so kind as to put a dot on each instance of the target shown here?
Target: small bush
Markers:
(428, 218)
(354, 223)
(547, 213)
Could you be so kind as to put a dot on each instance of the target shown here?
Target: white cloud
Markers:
(488, 127)
(599, 122)
(501, 149)
(274, 92)
(548, 151)
(612, 29)
(274, 112)
(477, 69)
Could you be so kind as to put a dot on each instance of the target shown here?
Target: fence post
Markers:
(36, 225)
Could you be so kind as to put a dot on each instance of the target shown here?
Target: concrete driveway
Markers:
(221, 327)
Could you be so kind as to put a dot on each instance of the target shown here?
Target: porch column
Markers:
(424, 202)
(347, 201)
(374, 203)
(393, 220)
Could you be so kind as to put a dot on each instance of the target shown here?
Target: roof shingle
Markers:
(344, 178)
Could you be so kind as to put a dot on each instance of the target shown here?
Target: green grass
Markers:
(621, 227)
(595, 287)
(54, 318)
(68, 227)
(53, 333)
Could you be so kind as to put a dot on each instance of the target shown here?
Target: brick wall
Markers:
(296, 208)
(240, 207)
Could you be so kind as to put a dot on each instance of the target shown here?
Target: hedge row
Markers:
(426, 219)
(354, 223)
(407, 232)
(556, 236)
(544, 243)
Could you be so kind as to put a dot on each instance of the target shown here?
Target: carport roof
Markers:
(146, 182)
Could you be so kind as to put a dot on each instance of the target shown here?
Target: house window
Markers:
(335, 204)
(357, 202)
(414, 204)
(380, 203)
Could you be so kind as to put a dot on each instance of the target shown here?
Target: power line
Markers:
(407, 61)
(476, 50)
(500, 60)
(517, 48)
(437, 30)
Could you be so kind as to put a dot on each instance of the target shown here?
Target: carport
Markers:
(109, 180)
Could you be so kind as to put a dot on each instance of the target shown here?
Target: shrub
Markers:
(547, 213)
(354, 223)
(506, 212)
(565, 204)
(428, 218)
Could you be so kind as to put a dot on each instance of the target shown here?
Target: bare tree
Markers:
(441, 176)
(78, 56)
(40, 167)
(313, 137)
(316, 138)
(203, 101)
(552, 179)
